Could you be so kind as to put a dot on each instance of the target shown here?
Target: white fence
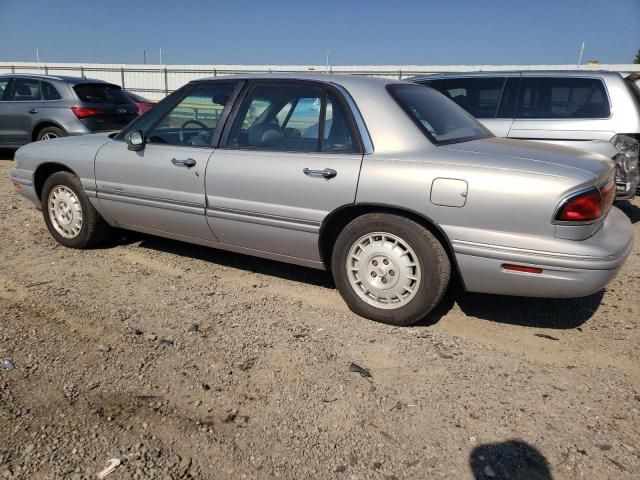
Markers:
(156, 81)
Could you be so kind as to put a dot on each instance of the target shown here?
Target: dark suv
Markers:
(40, 107)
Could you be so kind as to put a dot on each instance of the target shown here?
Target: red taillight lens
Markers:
(587, 206)
(608, 195)
(85, 112)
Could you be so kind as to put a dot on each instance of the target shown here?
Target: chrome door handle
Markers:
(189, 162)
(33, 110)
(326, 173)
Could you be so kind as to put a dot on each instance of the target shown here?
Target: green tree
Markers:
(637, 60)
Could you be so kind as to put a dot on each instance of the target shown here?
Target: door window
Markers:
(25, 90)
(562, 98)
(193, 120)
(49, 92)
(279, 117)
(289, 117)
(478, 96)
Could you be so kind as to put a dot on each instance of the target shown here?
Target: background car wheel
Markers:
(49, 133)
(389, 268)
(68, 213)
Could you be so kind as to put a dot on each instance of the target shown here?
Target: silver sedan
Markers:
(390, 185)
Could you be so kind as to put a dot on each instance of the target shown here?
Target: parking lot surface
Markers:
(187, 362)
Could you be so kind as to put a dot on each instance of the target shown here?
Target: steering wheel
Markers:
(182, 128)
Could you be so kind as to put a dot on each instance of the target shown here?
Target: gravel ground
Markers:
(187, 362)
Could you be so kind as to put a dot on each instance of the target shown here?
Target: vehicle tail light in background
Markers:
(589, 205)
(86, 112)
(521, 268)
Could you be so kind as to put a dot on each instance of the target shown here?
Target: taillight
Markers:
(86, 112)
(589, 205)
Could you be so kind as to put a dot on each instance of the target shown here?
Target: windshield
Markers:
(100, 93)
(439, 118)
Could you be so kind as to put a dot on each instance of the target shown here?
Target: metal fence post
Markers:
(46, 70)
(13, 69)
(82, 71)
(400, 74)
(122, 76)
(166, 82)
(215, 72)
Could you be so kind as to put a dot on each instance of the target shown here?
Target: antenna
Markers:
(328, 67)
(581, 52)
(160, 56)
(37, 55)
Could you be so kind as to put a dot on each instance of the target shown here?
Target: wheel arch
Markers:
(42, 124)
(340, 218)
(44, 171)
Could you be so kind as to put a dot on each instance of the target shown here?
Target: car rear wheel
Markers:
(68, 213)
(49, 133)
(390, 268)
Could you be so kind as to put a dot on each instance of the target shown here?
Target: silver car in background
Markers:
(594, 111)
(390, 185)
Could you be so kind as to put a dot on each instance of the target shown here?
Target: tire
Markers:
(49, 133)
(382, 254)
(70, 217)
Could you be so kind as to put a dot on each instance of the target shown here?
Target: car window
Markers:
(279, 117)
(478, 96)
(100, 93)
(4, 83)
(562, 98)
(337, 135)
(194, 119)
(49, 92)
(25, 90)
(440, 119)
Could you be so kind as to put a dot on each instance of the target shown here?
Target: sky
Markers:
(299, 32)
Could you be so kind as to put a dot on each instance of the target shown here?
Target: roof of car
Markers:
(523, 73)
(60, 78)
(345, 80)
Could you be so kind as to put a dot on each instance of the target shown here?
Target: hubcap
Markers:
(65, 211)
(48, 136)
(383, 270)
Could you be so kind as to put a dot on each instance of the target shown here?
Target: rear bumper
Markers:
(564, 275)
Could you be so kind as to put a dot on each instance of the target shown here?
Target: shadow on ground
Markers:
(228, 259)
(513, 459)
(529, 312)
(6, 154)
(632, 211)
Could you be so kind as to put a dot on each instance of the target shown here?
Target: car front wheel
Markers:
(68, 213)
(389, 268)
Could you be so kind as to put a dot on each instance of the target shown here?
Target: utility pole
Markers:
(144, 54)
(160, 56)
(581, 52)
(328, 67)
(37, 55)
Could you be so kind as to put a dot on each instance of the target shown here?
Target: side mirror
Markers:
(135, 140)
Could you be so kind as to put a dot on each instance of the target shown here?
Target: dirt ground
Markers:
(187, 362)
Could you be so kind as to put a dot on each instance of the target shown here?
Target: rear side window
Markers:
(4, 83)
(25, 90)
(100, 93)
(49, 92)
(478, 96)
(562, 98)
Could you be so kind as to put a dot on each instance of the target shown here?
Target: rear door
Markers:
(571, 111)
(289, 157)
(23, 100)
(480, 96)
(104, 106)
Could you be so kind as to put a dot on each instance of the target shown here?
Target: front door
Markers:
(20, 104)
(160, 188)
(289, 158)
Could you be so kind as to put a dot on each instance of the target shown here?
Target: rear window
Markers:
(440, 119)
(562, 98)
(100, 93)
